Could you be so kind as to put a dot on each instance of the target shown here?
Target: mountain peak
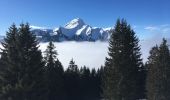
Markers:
(76, 30)
(77, 22)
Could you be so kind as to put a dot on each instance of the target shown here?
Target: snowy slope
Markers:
(75, 30)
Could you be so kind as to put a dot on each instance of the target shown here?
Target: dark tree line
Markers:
(71, 84)
(83, 83)
(158, 80)
(126, 77)
(27, 75)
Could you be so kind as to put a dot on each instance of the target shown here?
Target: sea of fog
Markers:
(92, 54)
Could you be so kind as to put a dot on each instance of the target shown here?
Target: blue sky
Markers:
(147, 17)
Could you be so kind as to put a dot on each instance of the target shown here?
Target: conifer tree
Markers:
(73, 67)
(53, 74)
(95, 84)
(121, 67)
(23, 78)
(158, 76)
(85, 83)
(8, 65)
(31, 59)
(72, 81)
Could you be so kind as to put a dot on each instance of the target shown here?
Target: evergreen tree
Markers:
(72, 81)
(85, 84)
(8, 65)
(95, 84)
(122, 65)
(89, 83)
(73, 68)
(22, 61)
(31, 59)
(158, 76)
(99, 77)
(54, 74)
(141, 83)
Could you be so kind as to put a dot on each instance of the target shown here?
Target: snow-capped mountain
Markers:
(75, 30)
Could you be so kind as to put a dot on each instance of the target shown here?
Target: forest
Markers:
(27, 74)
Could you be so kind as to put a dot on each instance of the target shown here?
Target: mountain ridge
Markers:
(75, 30)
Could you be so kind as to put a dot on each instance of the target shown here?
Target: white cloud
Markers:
(37, 27)
(151, 28)
(163, 29)
(91, 54)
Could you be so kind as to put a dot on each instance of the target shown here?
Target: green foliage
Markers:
(121, 67)
(53, 74)
(22, 64)
(158, 76)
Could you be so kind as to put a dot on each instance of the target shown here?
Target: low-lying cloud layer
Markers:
(92, 54)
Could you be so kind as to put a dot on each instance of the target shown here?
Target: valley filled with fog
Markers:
(92, 54)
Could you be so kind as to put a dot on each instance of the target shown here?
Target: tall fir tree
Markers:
(53, 74)
(121, 67)
(158, 76)
(23, 62)
(72, 81)
(8, 65)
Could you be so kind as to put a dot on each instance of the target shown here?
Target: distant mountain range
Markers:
(75, 30)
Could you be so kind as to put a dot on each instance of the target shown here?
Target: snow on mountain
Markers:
(82, 32)
(75, 23)
(75, 30)
(108, 29)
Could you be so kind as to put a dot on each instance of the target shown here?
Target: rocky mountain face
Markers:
(75, 30)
